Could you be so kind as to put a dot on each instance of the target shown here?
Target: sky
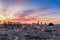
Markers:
(30, 11)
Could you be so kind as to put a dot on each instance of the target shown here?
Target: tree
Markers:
(51, 24)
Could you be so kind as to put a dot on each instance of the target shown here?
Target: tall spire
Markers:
(41, 23)
(45, 24)
(38, 22)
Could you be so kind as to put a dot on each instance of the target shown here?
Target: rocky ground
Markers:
(26, 34)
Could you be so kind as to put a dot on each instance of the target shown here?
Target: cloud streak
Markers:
(29, 11)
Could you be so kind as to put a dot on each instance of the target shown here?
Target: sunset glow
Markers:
(30, 11)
